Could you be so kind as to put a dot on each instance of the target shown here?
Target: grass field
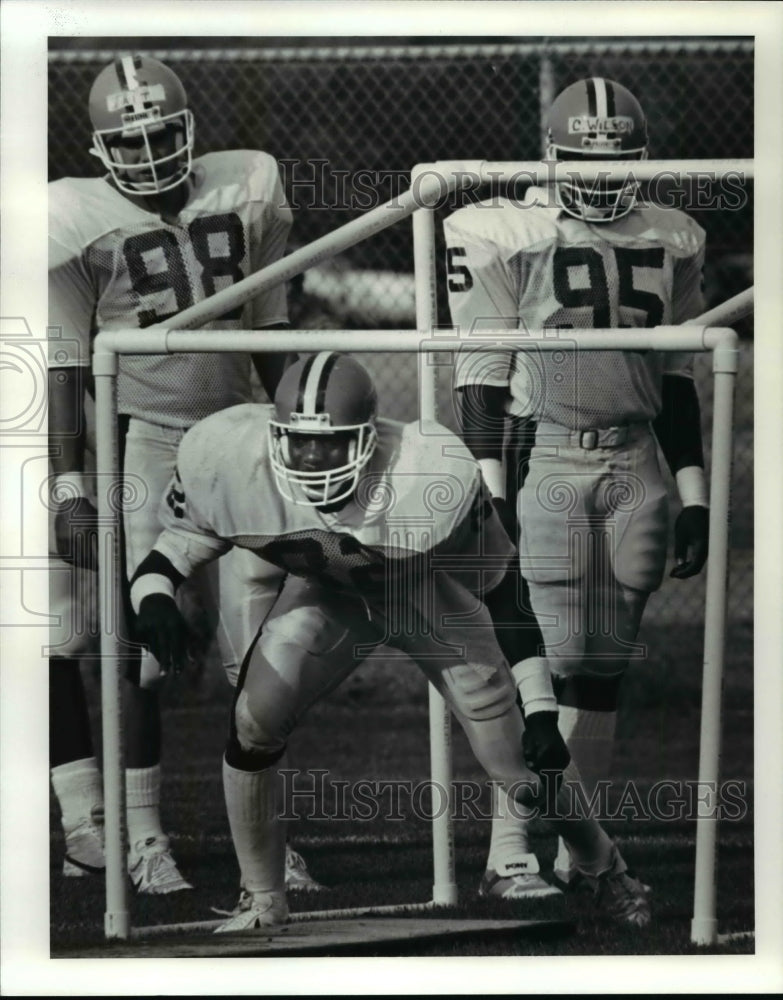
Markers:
(375, 728)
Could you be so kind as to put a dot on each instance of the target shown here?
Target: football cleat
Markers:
(153, 870)
(297, 877)
(518, 879)
(84, 847)
(254, 911)
(619, 895)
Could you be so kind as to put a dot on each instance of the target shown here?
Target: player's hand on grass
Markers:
(691, 534)
(543, 747)
(76, 532)
(161, 627)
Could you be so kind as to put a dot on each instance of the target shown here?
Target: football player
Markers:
(593, 507)
(387, 535)
(73, 598)
(160, 230)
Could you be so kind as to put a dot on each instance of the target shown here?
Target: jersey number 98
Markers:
(205, 233)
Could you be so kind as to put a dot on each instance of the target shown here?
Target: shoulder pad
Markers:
(505, 225)
(253, 170)
(427, 439)
(229, 439)
(433, 470)
(675, 229)
(82, 209)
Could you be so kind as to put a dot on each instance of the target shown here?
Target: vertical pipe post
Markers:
(704, 926)
(444, 888)
(116, 917)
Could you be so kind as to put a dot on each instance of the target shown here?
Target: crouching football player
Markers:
(335, 497)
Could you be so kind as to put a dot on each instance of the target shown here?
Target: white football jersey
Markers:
(528, 265)
(113, 266)
(420, 505)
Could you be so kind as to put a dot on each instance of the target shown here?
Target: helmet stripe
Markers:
(300, 395)
(129, 72)
(329, 363)
(591, 99)
(313, 384)
(600, 96)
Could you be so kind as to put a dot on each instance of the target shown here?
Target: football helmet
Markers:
(596, 119)
(138, 101)
(324, 394)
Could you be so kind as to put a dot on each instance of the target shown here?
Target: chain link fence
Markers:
(347, 122)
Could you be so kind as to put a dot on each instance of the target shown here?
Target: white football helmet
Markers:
(596, 119)
(324, 394)
(136, 99)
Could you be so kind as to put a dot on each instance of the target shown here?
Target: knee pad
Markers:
(590, 667)
(565, 667)
(566, 650)
(642, 530)
(253, 737)
(480, 691)
(307, 628)
(602, 653)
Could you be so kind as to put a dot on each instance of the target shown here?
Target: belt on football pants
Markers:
(596, 437)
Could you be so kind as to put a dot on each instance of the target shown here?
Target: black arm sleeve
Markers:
(516, 627)
(156, 562)
(483, 419)
(678, 425)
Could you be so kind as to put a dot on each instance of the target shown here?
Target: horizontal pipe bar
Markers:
(735, 936)
(430, 184)
(661, 338)
(727, 313)
(546, 172)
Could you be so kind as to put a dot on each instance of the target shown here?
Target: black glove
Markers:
(161, 627)
(543, 746)
(691, 536)
(76, 533)
(505, 511)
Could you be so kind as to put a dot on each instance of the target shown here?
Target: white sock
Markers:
(589, 736)
(509, 837)
(79, 789)
(254, 802)
(142, 797)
